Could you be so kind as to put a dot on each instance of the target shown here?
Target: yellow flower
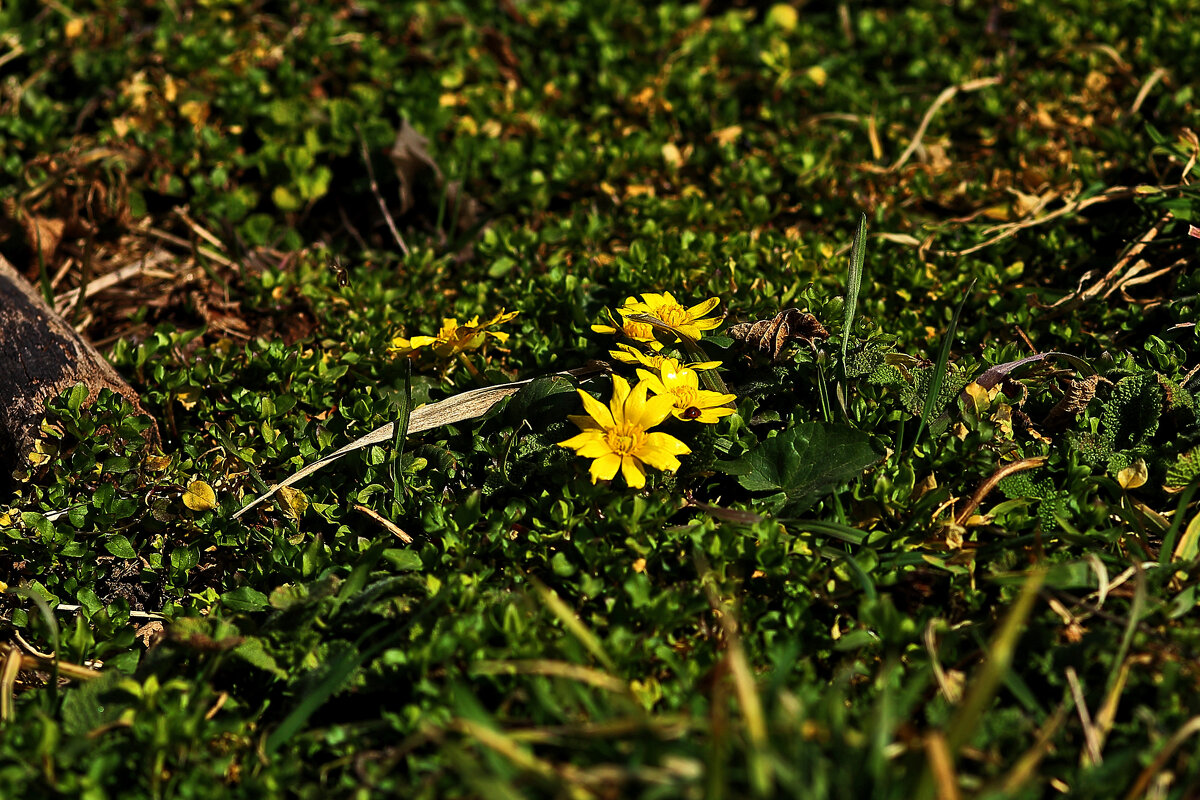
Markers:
(616, 436)
(453, 338)
(682, 385)
(665, 307)
(627, 354)
(642, 332)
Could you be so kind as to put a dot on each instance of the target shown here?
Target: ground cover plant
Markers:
(728, 400)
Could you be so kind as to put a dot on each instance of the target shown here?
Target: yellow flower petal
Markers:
(700, 309)
(588, 444)
(635, 474)
(605, 467)
(660, 442)
(596, 410)
(652, 381)
(657, 409)
(631, 409)
(584, 422)
(617, 404)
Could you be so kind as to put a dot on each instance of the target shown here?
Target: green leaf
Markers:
(120, 547)
(253, 652)
(805, 462)
(244, 598)
(403, 560)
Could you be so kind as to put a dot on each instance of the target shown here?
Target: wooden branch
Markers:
(41, 356)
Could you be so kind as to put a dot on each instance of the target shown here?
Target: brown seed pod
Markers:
(771, 336)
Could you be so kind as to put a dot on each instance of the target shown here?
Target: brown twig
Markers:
(1154, 78)
(1107, 196)
(387, 215)
(986, 487)
(945, 97)
(1110, 280)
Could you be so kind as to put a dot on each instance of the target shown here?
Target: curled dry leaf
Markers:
(1134, 475)
(1079, 393)
(419, 173)
(771, 336)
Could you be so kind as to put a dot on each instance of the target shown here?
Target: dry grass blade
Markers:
(667, 726)
(745, 687)
(1091, 736)
(1143, 782)
(460, 407)
(941, 764)
(570, 620)
(945, 97)
(10, 667)
(1113, 278)
(146, 266)
(951, 690)
(554, 669)
(390, 526)
(986, 487)
(1107, 196)
(1027, 764)
(972, 712)
(500, 743)
(1144, 92)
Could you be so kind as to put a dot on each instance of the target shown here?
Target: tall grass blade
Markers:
(396, 468)
(999, 658)
(939, 368)
(858, 253)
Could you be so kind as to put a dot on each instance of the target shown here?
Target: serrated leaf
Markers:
(805, 461)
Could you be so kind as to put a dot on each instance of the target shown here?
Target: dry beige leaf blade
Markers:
(410, 156)
(457, 408)
(416, 168)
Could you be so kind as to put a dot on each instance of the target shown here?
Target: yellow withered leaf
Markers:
(200, 496)
(293, 501)
(1134, 475)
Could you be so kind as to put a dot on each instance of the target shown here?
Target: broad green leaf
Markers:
(120, 547)
(805, 462)
(244, 598)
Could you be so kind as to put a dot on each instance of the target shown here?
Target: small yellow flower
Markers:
(642, 332)
(454, 338)
(627, 354)
(617, 436)
(682, 385)
(665, 307)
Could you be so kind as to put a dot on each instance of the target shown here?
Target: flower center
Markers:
(685, 396)
(673, 314)
(639, 330)
(625, 441)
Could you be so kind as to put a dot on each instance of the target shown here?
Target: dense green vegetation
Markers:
(921, 553)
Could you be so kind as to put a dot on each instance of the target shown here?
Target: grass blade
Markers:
(396, 468)
(1172, 534)
(570, 620)
(858, 253)
(939, 369)
(991, 673)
